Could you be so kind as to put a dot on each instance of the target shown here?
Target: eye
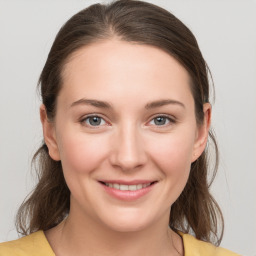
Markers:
(161, 121)
(94, 121)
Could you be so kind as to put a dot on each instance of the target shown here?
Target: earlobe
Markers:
(202, 133)
(49, 134)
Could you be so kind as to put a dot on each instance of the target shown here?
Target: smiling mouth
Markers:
(125, 187)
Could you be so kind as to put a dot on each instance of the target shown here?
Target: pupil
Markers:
(160, 120)
(94, 120)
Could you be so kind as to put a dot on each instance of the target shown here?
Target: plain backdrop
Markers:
(226, 33)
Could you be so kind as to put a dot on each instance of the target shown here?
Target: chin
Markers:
(127, 221)
(127, 226)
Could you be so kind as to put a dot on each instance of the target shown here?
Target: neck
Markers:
(79, 234)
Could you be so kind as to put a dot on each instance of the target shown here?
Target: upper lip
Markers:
(126, 182)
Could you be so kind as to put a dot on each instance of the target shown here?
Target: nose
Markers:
(128, 151)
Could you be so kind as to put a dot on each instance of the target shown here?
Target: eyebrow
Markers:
(106, 105)
(160, 103)
(95, 103)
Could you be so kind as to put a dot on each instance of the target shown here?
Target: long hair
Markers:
(195, 210)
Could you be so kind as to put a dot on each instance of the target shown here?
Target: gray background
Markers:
(226, 32)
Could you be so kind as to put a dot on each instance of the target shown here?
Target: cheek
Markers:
(173, 152)
(172, 156)
(81, 153)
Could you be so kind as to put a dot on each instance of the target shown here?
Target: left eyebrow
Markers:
(160, 103)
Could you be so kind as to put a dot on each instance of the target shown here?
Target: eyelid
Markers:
(164, 115)
(82, 120)
(171, 119)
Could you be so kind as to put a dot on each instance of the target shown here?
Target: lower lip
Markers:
(127, 195)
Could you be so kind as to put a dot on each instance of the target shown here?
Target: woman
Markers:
(126, 119)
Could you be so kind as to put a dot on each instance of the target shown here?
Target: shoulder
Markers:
(195, 247)
(33, 244)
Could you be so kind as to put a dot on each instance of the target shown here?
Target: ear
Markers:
(202, 133)
(49, 134)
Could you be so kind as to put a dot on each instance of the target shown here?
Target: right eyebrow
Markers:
(95, 103)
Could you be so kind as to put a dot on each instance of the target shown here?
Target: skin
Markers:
(128, 144)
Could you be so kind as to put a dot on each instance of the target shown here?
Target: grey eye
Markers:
(94, 121)
(160, 120)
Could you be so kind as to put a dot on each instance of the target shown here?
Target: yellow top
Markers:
(36, 244)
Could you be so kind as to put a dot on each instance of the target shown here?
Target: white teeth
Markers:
(123, 187)
(139, 186)
(133, 187)
(116, 186)
(127, 187)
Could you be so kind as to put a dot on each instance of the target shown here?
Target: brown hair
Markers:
(138, 22)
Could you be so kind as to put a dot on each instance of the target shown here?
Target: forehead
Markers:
(123, 69)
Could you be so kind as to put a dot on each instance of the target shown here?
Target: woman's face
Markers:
(125, 132)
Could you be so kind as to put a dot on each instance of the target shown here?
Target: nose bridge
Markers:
(128, 150)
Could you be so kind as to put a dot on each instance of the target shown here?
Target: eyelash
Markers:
(91, 116)
(167, 117)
